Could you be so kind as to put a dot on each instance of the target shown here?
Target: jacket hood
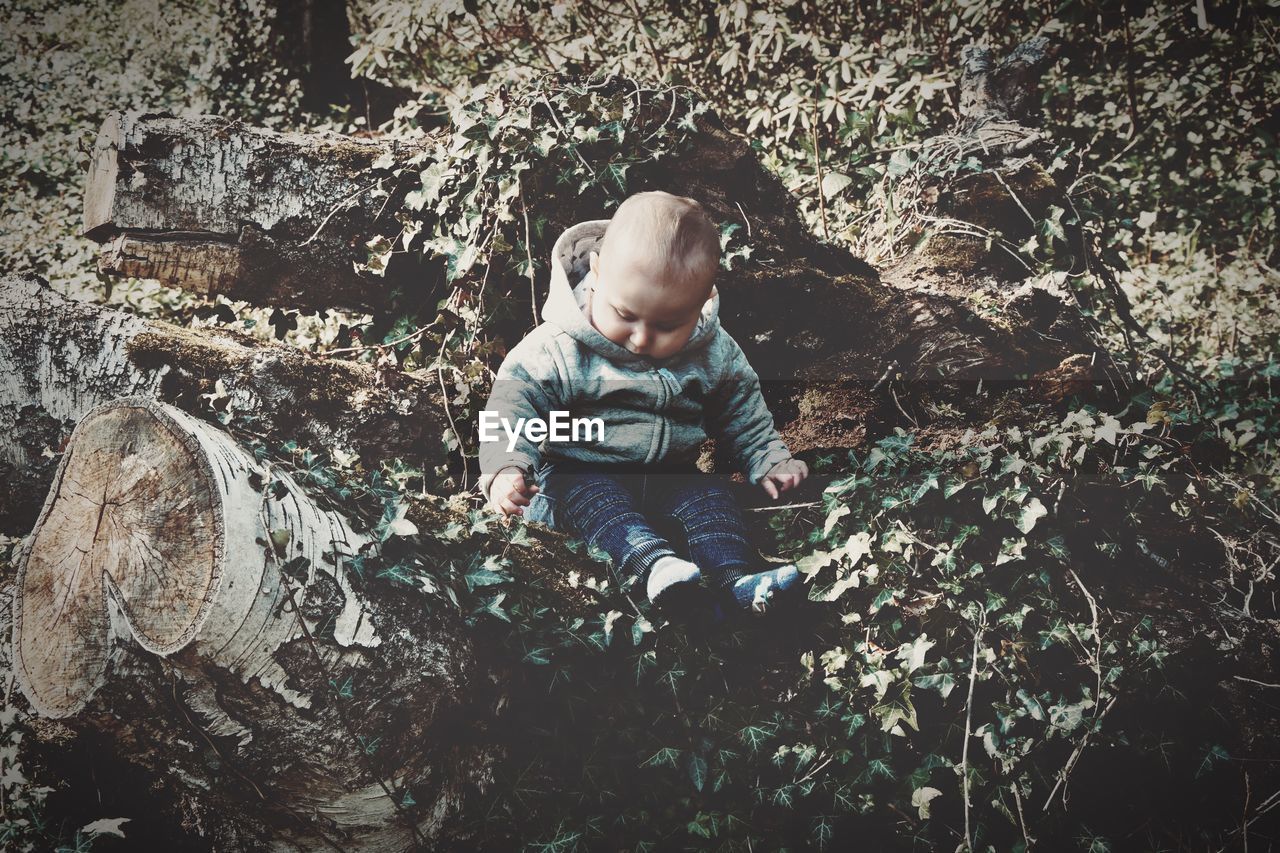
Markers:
(570, 277)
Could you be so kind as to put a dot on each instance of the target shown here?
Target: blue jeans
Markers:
(621, 508)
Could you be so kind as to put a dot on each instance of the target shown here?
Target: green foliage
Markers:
(961, 634)
(1134, 97)
(949, 588)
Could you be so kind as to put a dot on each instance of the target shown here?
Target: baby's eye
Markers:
(625, 317)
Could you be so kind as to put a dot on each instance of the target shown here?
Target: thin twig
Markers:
(816, 768)
(1267, 805)
(1013, 195)
(528, 254)
(968, 725)
(345, 203)
(415, 334)
(817, 161)
(900, 409)
(781, 506)
(744, 219)
(1022, 823)
(555, 119)
(1075, 756)
(892, 368)
(1249, 493)
(1244, 814)
(1097, 637)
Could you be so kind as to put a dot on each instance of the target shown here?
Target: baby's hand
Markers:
(508, 493)
(783, 476)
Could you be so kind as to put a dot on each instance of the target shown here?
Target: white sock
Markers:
(666, 572)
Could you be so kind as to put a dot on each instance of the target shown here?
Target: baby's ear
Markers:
(595, 263)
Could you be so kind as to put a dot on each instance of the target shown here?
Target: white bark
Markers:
(161, 597)
(212, 206)
(60, 357)
(167, 516)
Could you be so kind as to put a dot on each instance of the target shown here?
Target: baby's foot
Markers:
(756, 592)
(672, 579)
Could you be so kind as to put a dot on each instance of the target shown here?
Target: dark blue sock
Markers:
(756, 592)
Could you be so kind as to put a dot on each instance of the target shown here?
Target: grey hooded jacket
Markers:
(653, 411)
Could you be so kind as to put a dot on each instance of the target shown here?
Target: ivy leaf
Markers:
(921, 797)
(914, 653)
(816, 561)
(484, 577)
(1215, 753)
(105, 826)
(942, 682)
(614, 177)
(1107, 430)
(858, 546)
(834, 183)
(402, 527)
(1032, 512)
(665, 757)
(834, 516)
(753, 736)
(696, 767)
(1032, 704)
(1010, 550)
(899, 710)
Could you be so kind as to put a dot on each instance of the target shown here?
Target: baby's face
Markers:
(633, 307)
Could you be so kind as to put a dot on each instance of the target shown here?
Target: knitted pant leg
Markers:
(713, 525)
(603, 510)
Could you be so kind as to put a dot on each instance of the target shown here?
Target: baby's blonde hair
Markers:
(672, 229)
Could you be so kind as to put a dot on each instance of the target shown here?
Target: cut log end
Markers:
(133, 514)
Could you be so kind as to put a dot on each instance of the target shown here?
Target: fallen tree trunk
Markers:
(174, 589)
(803, 310)
(215, 207)
(60, 357)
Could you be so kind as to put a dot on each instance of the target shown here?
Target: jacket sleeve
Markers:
(738, 418)
(529, 384)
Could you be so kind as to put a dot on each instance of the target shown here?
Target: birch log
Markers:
(60, 357)
(165, 561)
(215, 207)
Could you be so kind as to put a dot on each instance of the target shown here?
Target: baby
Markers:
(636, 352)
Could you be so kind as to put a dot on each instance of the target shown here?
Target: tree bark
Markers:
(173, 587)
(215, 207)
(60, 357)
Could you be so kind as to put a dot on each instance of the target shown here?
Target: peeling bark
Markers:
(166, 570)
(60, 357)
(215, 207)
